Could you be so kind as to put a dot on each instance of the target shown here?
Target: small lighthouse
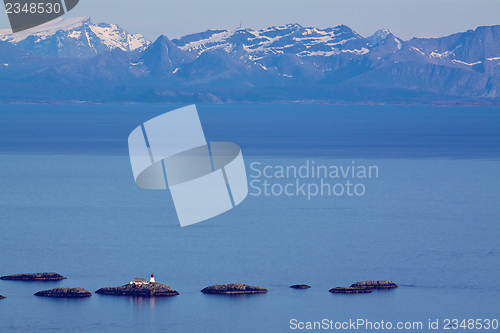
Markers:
(152, 279)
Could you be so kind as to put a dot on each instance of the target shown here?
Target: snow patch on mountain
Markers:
(215, 41)
(466, 63)
(114, 37)
(439, 55)
(417, 50)
(364, 50)
(399, 42)
(75, 34)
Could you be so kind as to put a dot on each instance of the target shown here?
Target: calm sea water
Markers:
(430, 221)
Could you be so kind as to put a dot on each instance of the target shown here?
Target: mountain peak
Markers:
(289, 26)
(86, 20)
(161, 39)
(162, 57)
(378, 36)
(293, 26)
(75, 37)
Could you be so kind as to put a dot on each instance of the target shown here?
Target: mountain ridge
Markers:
(280, 64)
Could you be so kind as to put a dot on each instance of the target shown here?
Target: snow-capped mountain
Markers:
(288, 39)
(75, 38)
(289, 51)
(276, 64)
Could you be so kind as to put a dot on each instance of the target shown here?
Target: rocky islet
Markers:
(233, 289)
(371, 284)
(65, 292)
(145, 290)
(300, 286)
(350, 290)
(34, 277)
(364, 287)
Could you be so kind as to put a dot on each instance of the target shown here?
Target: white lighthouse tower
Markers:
(152, 279)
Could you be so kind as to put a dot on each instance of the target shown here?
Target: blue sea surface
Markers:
(430, 220)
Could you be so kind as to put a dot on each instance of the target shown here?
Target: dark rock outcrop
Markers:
(233, 288)
(146, 290)
(350, 290)
(370, 284)
(364, 287)
(64, 292)
(34, 277)
(300, 286)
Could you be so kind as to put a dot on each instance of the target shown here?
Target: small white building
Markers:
(139, 281)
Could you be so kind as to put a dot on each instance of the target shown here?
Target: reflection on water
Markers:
(140, 305)
(66, 301)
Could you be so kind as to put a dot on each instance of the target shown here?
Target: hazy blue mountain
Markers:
(278, 64)
(162, 58)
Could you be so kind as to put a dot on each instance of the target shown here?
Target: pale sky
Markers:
(404, 18)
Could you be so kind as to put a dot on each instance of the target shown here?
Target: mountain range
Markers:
(72, 59)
